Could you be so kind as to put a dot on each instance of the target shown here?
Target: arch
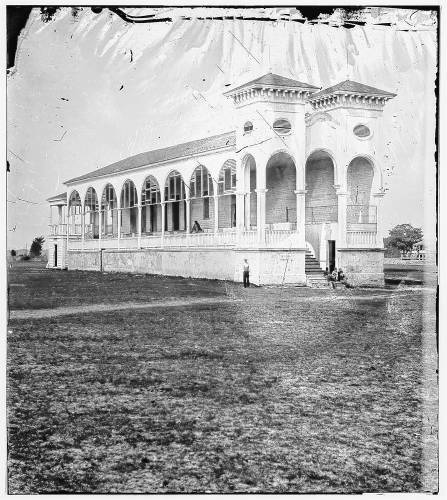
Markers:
(129, 195)
(249, 176)
(91, 214)
(226, 189)
(74, 203)
(227, 177)
(201, 189)
(74, 214)
(175, 204)
(129, 209)
(109, 210)
(331, 155)
(378, 174)
(360, 175)
(150, 206)
(321, 197)
(280, 182)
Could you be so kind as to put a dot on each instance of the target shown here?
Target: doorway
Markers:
(331, 255)
(55, 255)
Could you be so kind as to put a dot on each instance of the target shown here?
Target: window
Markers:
(362, 131)
(248, 127)
(206, 208)
(201, 183)
(282, 126)
(174, 188)
(151, 193)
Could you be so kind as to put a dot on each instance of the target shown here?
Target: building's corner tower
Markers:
(345, 125)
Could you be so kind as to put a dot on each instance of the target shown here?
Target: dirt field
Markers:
(258, 390)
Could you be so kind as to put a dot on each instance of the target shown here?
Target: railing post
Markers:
(260, 209)
(341, 216)
(301, 216)
(378, 197)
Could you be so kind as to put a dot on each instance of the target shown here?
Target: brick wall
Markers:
(225, 203)
(360, 177)
(320, 190)
(280, 197)
(197, 213)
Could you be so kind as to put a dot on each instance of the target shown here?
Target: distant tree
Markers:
(403, 237)
(13, 253)
(36, 246)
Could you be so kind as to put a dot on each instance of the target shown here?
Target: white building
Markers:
(295, 187)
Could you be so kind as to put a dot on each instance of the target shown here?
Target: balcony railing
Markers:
(321, 214)
(58, 229)
(361, 239)
(361, 214)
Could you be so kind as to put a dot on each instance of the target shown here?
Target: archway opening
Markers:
(200, 191)
(91, 214)
(321, 206)
(129, 209)
(227, 196)
(175, 206)
(74, 214)
(280, 200)
(250, 219)
(360, 177)
(150, 206)
(109, 211)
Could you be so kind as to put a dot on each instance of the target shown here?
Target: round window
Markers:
(248, 127)
(282, 126)
(362, 131)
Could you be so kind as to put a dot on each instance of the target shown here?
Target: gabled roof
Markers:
(58, 197)
(165, 154)
(274, 81)
(350, 87)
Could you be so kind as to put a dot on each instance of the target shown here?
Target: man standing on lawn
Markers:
(246, 274)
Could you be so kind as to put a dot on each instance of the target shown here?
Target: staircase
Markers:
(314, 274)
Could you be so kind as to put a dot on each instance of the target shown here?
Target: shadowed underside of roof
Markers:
(352, 87)
(272, 80)
(198, 146)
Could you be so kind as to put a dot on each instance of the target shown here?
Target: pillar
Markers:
(119, 225)
(240, 211)
(341, 215)
(216, 213)
(260, 208)
(100, 228)
(139, 225)
(60, 218)
(82, 228)
(301, 216)
(163, 220)
(378, 197)
(188, 214)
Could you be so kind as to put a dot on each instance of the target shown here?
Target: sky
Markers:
(90, 89)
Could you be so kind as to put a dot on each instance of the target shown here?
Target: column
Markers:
(82, 228)
(163, 221)
(301, 216)
(216, 213)
(100, 228)
(139, 225)
(240, 213)
(260, 208)
(341, 216)
(119, 225)
(378, 197)
(188, 214)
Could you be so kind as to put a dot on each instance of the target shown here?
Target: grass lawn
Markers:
(283, 390)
